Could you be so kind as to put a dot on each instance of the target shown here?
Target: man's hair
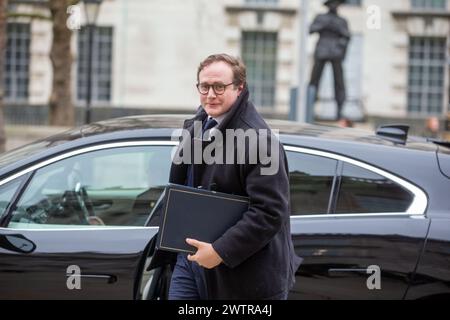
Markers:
(236, 64)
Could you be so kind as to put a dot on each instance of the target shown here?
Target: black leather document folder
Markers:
(197, 214)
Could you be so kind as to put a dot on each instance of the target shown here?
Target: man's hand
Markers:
(205, 256)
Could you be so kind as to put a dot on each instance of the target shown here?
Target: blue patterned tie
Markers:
(208, 124)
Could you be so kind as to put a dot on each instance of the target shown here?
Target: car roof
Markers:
(288, 129)
(162, 126)
(406, 160)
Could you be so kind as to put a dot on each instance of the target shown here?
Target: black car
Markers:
(370, 212)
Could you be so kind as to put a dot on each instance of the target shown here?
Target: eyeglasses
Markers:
(218, 88)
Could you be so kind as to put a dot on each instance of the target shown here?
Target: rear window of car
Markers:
(311, 179)
(358, 189)
(363, 191)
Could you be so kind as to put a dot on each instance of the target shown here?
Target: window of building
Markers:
(17, 62)
(259, 52)
(101, 64)
(429, 4)
(363, 191)
(311, 180)
(427, 65)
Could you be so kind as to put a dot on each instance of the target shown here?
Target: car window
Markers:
(311, 179)
(110, 187)
(363, 191)
(7, 192)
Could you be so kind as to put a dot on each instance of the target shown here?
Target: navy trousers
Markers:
(188, 281)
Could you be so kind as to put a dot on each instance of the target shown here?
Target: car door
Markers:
(74, 225)
(359, 229)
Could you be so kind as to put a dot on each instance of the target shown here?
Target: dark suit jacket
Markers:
(259, 259)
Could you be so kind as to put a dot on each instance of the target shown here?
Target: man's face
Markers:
(218, 73)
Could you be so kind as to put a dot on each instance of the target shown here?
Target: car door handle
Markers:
(108, 278)
(17, 243)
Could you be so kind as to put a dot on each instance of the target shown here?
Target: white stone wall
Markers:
(159, 43)
(385, 53)
(40, 83)
(385, 69)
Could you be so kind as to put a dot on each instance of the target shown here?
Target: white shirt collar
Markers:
(220, 118)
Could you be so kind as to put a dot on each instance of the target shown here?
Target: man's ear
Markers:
(241, 88)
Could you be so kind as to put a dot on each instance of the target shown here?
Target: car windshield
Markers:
(20, 153)
(33, 148)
